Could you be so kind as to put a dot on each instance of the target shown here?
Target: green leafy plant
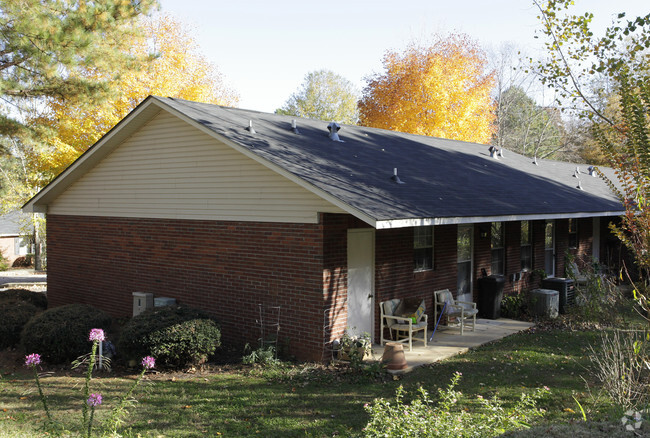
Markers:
(446, 417)
(513, 306)
(176, 336)
(263, 356)
(15, 314)
(59, 334)
(596, 297)
(354, 348)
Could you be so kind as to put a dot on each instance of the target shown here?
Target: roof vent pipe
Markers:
(579, 187)
(535, 161)
(592, 170)
(250, 127)
(294, 128)
(576, 174)
(501, 152)
(334, 128)
(395, 178)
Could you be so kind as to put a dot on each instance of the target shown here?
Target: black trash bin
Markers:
(566, 288)
(490, 294)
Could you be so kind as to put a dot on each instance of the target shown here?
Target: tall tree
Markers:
(576, 56)
(441, 90)
(45, 46)
(175, 68)
(528, 128)
(45, 43)
(324, 95)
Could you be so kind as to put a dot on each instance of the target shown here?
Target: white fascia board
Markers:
(274, 167)
(105, 145)
(423, 222)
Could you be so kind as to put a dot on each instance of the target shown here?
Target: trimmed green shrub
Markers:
(35, 298)
(22, 262)
(61, 334)
(15, 315)
(175, 336)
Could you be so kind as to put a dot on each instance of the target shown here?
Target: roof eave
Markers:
(422, 222)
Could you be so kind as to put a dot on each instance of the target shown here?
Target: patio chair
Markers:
(461, 310)
(404, 327)
(572, 271)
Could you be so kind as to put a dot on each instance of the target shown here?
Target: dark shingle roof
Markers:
(444, 179)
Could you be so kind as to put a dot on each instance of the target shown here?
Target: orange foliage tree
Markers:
(441, 90)
(175, 69)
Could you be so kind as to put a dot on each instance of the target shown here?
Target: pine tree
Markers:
(46, 44)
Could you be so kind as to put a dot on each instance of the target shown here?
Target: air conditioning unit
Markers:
(567, 289)
(544, 302)
(142, 301)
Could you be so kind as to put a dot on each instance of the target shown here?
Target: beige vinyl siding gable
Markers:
(170, 169)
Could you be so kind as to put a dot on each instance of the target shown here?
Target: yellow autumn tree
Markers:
(175, 69)
(441, 90)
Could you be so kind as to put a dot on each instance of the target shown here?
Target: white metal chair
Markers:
(403, 326)
(572, 271)
(461, 310)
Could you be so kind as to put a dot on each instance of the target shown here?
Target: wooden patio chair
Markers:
(404, 326)
(461, 310)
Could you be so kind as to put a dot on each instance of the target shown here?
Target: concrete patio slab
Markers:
(448, 342)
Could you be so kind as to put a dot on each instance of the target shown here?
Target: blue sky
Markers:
(265, 48)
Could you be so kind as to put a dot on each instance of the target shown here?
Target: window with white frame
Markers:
(526, 250)
(498, 248)
(423, 248)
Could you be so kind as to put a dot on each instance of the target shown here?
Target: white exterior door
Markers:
(361, 280)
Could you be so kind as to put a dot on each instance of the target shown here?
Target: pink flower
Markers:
(96, 335)
(33, 359)
(95, 399)
(148, 362)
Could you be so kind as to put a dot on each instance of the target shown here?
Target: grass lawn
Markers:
(306, 400)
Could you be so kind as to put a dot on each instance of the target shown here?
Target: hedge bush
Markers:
(22, 262)
(61, 334)
(15, 315)
(175, 336)
(35, 298)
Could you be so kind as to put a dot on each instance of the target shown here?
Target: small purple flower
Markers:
(148, 362)
(96, 335)
(33, 359)
(95, 399)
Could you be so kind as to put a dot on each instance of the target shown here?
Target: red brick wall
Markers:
(394, 275)
(335, 278)
(226, 268)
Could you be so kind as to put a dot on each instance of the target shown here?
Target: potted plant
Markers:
(354, 347)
